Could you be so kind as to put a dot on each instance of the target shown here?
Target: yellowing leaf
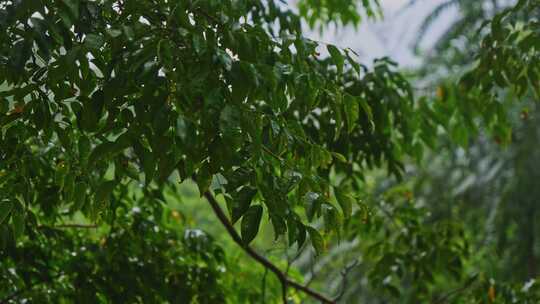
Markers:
(491, 293)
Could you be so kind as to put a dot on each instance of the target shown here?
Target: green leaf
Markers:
(79, 196)
(345, 202)
(104, 191)
(69, 184)
(339, 157)
(180, 15)
(113, 32)
(164, 51)
(279, 225)
(351, 108)
(301, 238)
(241, 202)
(292, 230)
(146, 160)
(317, 240)
(393, 290)
(332, 219)
(203, 179)
(240, 82)
(337, 57)
(312, 204)
(5, 208)
(367, 109)
(250, 223)
(94, 41)
(73, 6)
(230, 124)
(18, 223)
(100, 152)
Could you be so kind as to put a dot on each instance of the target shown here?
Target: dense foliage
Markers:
(107, 105)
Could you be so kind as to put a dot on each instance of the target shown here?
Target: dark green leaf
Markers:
(241, 202)
(18, 224)
(250, 223)
(5, 208)
(94, 41)
(79, 196)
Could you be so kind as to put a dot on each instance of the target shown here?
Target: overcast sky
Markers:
(392, 36)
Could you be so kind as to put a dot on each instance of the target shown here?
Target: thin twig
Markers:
(344, 274)
(79, 226)
(447, 296)
(282, 277)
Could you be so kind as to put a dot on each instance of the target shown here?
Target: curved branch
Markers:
(283, 278)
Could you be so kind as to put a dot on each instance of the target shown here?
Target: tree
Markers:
(108, 103)
(496, 190)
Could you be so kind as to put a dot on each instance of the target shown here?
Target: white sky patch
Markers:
(393, 36)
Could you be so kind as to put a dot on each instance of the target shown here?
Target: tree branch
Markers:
(446, 297)
(80, 226)
(285, 281)
(344, 274)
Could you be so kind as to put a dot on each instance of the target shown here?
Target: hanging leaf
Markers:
(250, 223)
(317, 240)
(351, 109)
(203, 179)
(18, 224)
(79, 196)
(241, 202)
(5, 208)
(337, 57)
(104, 191)
(345, 202)
(94, 41)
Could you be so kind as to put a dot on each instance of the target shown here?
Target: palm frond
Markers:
(431, 18)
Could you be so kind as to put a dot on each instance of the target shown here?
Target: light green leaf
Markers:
(339, 157)
(345, 202)
(113, 32)
(312, 204)
(332, 219)
(351, 109)
(337, 57)
(367, 109)
(317, 240)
